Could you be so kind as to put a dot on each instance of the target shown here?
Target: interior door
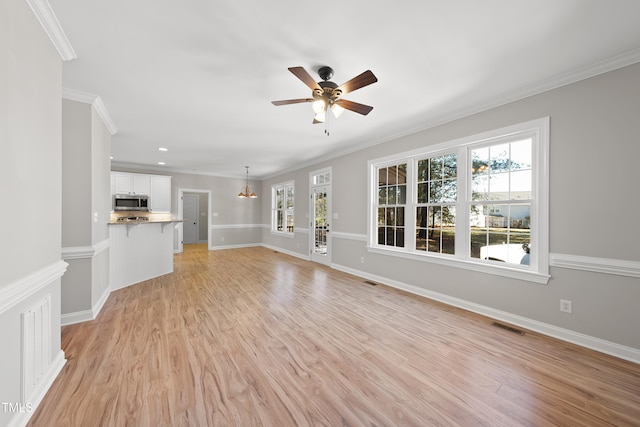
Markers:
(190, 217)
(320, 216)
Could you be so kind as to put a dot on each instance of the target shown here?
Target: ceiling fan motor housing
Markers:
(325, 73)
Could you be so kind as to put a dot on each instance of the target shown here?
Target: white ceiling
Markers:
(197, 76)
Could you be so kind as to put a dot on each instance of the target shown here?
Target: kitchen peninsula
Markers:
(141, 247)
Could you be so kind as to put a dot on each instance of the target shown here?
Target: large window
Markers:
(282, 205)
(479, 202)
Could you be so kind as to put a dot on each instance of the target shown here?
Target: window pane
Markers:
(391, 236)
(435, 192)
(402, 173)
(499, 186)
(402, 195)
(381, 216)
(521, 155)
(435, 168)
(480, 161)
(449, 190)
(499, 157)
(423, 192)
(480, 187)
(392, 176)
(400, 216)
(499, 231)
(521, 185)
(399, 237)
(382, 195)
(382, 176)
(391, 216)
(423, 167)
(450, 166)
(391, 195)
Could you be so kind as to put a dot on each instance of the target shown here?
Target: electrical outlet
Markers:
(362, 260)
(566, 306)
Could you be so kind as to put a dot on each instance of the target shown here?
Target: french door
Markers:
(320, 216)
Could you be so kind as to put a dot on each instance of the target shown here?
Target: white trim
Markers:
(85, 315)
(607, 347)
(230, 226)
(350, 236)
(238, 246)
(22, 418)
(80, 252)
(597, 265)
(51, 26)
(96, 102)
(17, 291)
(287, 252)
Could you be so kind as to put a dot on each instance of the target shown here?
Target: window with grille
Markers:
(479, 202)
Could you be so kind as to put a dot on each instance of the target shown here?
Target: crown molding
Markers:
(51, 26)
(96, 101)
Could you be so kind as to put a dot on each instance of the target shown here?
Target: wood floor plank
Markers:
(251, 337)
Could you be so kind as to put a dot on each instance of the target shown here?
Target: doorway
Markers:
(320, 214)
(191, 209)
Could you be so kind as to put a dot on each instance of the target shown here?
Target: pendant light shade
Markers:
(244, 193)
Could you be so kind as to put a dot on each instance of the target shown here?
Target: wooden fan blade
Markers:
(292, 101)
(306, 78)
(359, 81)
(354, 106)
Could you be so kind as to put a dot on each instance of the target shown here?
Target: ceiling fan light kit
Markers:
(326, 95)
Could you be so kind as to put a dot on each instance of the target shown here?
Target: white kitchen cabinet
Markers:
(160, 194)
(130, 183)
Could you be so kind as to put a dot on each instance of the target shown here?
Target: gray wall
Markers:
(594, 205)
(30, 181)
(86, 147)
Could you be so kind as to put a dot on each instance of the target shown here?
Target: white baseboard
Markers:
(85, 315)
(603, 346)
(20, 419)
(243, 245)
(287, 252)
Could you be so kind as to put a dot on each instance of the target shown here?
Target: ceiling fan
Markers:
(326, 95)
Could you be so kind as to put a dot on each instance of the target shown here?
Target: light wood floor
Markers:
(250, 337)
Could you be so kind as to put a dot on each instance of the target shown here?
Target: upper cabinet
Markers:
(157, 187)
(130, 183)
(160, 195)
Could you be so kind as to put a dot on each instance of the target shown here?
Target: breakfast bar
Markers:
(141, 249)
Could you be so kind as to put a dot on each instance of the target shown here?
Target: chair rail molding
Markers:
(17, 291)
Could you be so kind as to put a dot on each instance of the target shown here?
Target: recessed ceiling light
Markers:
(163, 149)
(161, 163)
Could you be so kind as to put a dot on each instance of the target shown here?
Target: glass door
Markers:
(320, 215)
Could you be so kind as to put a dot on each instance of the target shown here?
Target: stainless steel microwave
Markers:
(129, 202)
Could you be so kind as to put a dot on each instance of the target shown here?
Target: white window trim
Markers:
(274, 187)
(540, 209)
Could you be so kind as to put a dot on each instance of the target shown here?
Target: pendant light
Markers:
(244, 193)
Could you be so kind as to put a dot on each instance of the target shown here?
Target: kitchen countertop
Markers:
(135, 222)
